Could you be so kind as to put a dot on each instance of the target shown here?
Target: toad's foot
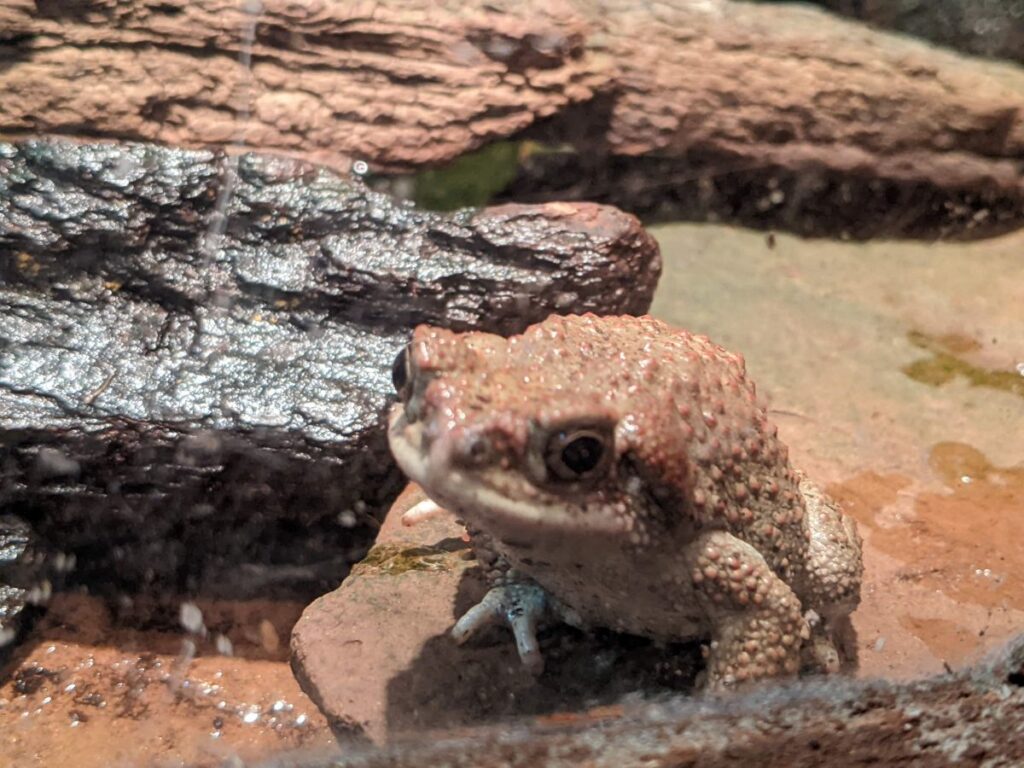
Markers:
(820, 652)
(520, 604)
(757, 625)
(833, 644)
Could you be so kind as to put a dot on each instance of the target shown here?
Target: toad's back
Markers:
(677, 386)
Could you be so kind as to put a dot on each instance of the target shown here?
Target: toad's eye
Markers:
(575, 455)
(400, 373)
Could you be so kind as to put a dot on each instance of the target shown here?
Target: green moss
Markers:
(393, 560)
(945, 364)
(470, 180)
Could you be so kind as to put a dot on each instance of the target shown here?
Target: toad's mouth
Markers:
(494, 498)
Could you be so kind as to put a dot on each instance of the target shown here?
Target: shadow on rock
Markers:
(448, 685)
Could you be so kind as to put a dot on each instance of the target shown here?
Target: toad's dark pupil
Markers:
(582, 454)
(400, 371)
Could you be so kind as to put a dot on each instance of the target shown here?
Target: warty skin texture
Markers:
(621, 473)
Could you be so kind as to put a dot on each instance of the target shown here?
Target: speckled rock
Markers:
(196, 350)
(376, 656)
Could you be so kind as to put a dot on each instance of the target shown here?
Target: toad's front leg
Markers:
(757, 625)
(513, 599)
(518, 602)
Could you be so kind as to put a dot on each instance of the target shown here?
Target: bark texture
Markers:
(193, 383)
(769, 114)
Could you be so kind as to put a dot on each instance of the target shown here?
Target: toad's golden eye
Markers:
(400, 373)
(576, 455)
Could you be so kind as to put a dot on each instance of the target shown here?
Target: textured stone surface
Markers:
(983, 27)
(192, 394)
(775, 115)
(973, 718)
(376, 657)
(15, 579)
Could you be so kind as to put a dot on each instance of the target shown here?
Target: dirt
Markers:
(89, 689)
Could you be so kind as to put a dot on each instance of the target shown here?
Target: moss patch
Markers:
(475, 178)
(945, 364)
(393, 560)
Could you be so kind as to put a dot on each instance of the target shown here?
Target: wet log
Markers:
(772, 115)
(969, 718)
(195, 350)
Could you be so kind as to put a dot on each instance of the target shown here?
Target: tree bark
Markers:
(813, 123)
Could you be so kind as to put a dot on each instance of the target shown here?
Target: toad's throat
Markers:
(470, 495)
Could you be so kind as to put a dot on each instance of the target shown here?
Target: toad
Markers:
(618, 472)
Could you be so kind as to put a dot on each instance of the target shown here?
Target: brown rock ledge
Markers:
(376, 657)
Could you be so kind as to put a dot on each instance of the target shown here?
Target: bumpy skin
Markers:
(691, 523)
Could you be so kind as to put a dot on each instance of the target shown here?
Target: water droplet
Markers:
(360, 167)
(224, 646)
(191, 617)
(250, 717)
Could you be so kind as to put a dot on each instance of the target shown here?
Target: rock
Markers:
(989, 28)
(376, 657)
(969, 718)
(196, 350)
(774, 115)
(27, 576)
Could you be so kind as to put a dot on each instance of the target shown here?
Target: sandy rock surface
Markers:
(376, 656)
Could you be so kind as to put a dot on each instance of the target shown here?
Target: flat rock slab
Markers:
(195, 350)
(376, 657)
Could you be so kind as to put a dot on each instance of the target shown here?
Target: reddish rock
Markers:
(376, 657)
